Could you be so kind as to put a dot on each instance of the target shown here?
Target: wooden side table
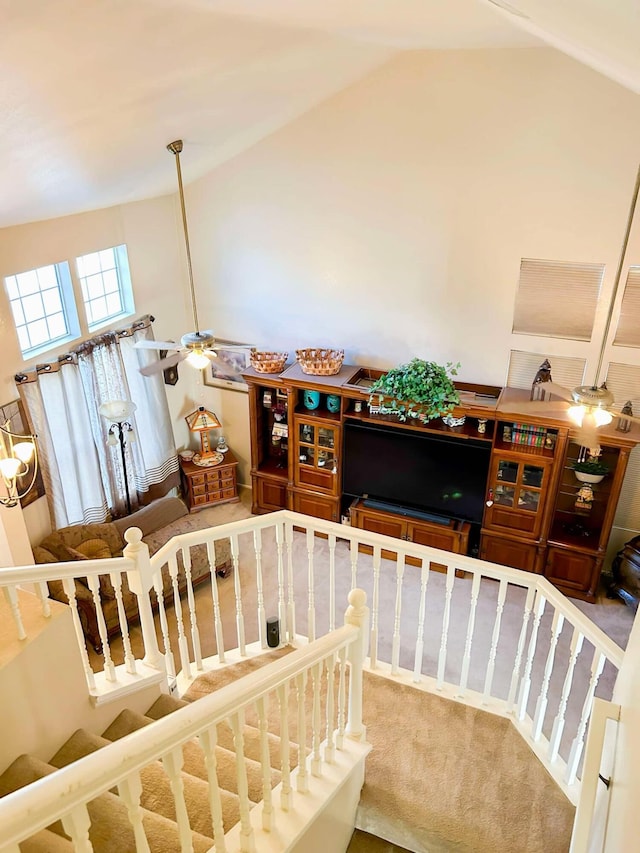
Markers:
(204, 487)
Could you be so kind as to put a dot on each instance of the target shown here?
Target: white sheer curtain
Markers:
(84, 477)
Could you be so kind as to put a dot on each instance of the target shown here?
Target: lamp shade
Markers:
(117, 410)
(202, 419)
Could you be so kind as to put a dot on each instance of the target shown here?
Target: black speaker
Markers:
(273, 632)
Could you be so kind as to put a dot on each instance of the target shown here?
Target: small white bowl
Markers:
(187, 455)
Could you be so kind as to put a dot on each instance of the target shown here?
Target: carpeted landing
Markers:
(441, 777)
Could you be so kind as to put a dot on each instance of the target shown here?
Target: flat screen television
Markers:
(436, 474)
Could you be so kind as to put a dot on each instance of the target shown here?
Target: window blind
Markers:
(628, 331)
(523, 367)
(557, 299)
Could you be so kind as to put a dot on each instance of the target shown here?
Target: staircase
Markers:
(111, 830)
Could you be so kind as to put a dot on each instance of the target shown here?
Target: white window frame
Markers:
(125, 288)
(69, 309)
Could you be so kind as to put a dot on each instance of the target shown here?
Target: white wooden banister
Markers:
(141, 580)
(357, 615)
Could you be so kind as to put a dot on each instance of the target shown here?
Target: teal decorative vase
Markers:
(311, 399)
(333, 403)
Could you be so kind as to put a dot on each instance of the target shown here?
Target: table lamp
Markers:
(203, 421)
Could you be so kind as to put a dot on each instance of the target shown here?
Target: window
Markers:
(43, 308)
(557, 299)
(628, 332)
(106, 285)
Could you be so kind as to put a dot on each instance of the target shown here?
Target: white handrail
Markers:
(87, 778)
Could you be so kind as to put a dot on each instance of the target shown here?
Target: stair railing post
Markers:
(140, 583)
(357, 614)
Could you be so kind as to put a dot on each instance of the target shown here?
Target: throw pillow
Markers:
(94, 549)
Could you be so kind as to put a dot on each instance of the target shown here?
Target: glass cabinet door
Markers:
(317, 456)
(517, 493)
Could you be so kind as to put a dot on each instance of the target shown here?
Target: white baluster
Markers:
(357, 614)
(262, 619)
(11, 595)
(69, 586)
(247, 841)
(208, 740)
(265, 764)
(285, 758)
(422, 609)
(291, 603)
(395, 646)
(183, 648)
(329, 742)
(42, 591)
(282, 608)
(235, 557)
(172, 763)
(332, 581)
(558, 724)
(543, 696)
(130, 791)
(141, 580)
(316, 720)
(169, 661)
(491, 664)
(311, 610)
(109, 667)
(353, 557)
(129, 659)
(76, 824)
(471, 622)
(217, 618)
(375, 608)
(444, 637)
(342, 701)
(301, 780)
(517, 663)
(525, 684)
(597, 665)
(191, 601)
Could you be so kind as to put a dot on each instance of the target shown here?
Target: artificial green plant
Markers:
(420, 388)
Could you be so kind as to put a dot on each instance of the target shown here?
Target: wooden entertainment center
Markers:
(532, 519)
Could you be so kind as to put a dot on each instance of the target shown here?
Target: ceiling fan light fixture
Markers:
(197, 359)
(602, 417)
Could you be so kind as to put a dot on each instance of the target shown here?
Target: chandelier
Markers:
(18, 460)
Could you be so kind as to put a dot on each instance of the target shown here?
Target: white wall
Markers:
(390, 220)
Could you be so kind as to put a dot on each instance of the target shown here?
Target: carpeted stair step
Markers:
(46, 841)
(156, 789)
(110, 830)
(194, 762)
(164, 705)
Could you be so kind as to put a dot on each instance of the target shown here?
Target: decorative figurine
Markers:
(538, 391)
(624, 424)
(584, 497)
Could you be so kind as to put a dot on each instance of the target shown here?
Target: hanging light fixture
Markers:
(197, 342)
(18, 459)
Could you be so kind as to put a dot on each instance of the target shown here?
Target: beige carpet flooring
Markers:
(441, 776)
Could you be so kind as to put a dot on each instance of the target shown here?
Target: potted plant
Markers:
(420, 388)
(590, 471)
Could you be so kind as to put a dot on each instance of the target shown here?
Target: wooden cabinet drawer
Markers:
(200, 500)
(511, 520)
(198, 479)
(508, 552)
(308, 476)
(315, 505)
(268, 495)
(571, 570)
(200, 490)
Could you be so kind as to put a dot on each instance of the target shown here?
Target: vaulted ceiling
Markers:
(92, 90)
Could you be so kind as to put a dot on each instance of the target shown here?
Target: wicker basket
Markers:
(320, 362)
(268, 362)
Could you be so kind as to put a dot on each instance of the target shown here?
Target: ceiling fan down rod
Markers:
(176, 148)
(618, 276)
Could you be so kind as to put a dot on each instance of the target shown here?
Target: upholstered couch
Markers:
(158, 522)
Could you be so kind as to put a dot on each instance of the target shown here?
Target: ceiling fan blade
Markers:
(536, 406)
(172, 345)
(224, 366)
(559, 391)
(162, 364)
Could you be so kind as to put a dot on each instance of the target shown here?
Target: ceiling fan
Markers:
(197, 347)
(588, 406)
